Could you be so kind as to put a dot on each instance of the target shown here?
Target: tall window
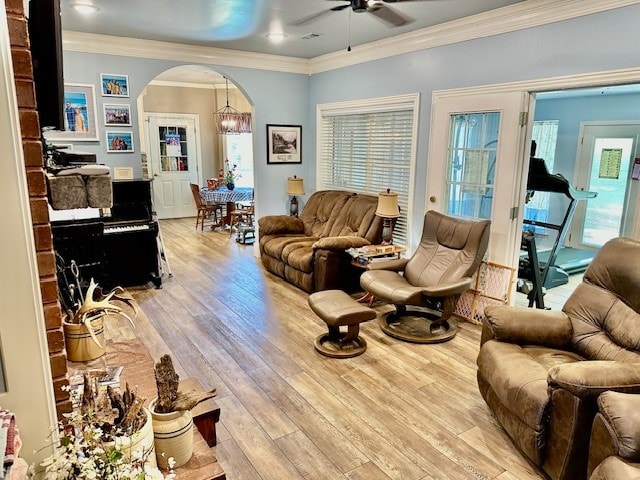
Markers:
(238, 149)
(369, 146)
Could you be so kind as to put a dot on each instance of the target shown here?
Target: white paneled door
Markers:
(174, 163)
(476, 157)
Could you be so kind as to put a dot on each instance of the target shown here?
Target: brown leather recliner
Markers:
(433, 279)
(614, 451)
(542, 371)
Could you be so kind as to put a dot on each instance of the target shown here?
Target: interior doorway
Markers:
(604, 166)
(594, 149)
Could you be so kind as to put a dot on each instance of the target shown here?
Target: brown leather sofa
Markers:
(309, 251)
(614, 452)
(541, 371)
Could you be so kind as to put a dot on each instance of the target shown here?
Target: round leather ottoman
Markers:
(338, 309)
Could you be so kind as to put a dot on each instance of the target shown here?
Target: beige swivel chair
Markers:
(541, 371)
(433, 279)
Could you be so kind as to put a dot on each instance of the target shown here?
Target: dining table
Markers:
(228, 197)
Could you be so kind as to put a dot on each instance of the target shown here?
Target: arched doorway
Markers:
(179, 140)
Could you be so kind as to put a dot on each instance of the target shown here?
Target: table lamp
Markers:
(294, 187)
(388, 210)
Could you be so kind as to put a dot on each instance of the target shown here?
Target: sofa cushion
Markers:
(604, 326)
(275, 245)
(322, 210)
(299, 254)
(518, 376)
(357, 217)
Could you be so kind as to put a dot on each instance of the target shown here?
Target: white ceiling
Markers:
(244, 24)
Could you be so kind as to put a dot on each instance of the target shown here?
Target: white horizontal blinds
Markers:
(369, 152)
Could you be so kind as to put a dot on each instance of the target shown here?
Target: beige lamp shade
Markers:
(388, 204)
(295, 186)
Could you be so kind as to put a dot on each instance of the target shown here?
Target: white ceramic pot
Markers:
(81, 347)
(141, 444)
(173, 434)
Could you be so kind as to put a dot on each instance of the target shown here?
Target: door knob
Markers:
(432, 199)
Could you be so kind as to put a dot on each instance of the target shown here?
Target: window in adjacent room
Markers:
(238, 149)
(369, 146)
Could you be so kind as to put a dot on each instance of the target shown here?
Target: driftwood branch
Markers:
(169, 398)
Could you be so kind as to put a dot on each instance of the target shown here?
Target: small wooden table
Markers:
(374, 253)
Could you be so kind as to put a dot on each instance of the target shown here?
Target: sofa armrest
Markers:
(590, 378)
(395, 265)
(526, 326)
(615, 432)
(341, 242)
(275, 224)
(621, 412)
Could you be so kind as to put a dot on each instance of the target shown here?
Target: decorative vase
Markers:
(173, 436)
(141, 444)
(231, 186)
(81, 347)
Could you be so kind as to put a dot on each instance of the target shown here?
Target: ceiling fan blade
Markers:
(398, 1)
(391, 16)
(341, 7)
(310, 18)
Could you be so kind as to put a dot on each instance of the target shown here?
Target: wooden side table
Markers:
(373, 253)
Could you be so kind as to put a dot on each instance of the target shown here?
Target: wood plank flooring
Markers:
(399, 411)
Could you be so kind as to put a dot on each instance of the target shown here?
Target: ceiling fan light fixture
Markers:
(84, 8)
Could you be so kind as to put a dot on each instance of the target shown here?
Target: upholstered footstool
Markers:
(338, 309)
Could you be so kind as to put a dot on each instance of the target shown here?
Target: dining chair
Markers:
(205, 212)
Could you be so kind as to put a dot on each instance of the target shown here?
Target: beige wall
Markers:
(201, 101)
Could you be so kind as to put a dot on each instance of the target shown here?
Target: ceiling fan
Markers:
(376, 7)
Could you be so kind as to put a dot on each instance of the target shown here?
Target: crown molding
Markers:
(520, 16)
(135, 47)
(527, 14)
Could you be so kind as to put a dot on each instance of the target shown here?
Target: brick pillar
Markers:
(34, 162)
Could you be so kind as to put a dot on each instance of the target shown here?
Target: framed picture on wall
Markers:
(119, 142)
(284, 144)
(114, 85)
(117, 114)
(79, 114)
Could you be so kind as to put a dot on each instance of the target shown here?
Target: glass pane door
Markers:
(471, 164)
(173, 149)
(604, 214)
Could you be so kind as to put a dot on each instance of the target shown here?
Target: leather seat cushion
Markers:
(299, 255)
(275, 246)
(518, 376)
(391, 286)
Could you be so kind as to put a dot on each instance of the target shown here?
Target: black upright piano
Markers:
(119, 249)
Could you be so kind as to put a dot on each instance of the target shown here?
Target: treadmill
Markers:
(546, 269)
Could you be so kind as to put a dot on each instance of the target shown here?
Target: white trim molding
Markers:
(519, 16)
(134, 47)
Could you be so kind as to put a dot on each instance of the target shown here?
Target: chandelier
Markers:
(230, 121)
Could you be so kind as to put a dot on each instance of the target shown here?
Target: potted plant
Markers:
(229, 178)
(84, 327)
(171, 415)
(108, 437)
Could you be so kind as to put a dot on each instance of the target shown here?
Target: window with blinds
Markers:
(369, 149)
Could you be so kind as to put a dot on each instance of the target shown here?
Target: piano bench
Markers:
(205, 415)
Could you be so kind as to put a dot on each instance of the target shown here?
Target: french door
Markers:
(606, 160)
(475, 164)
(174, 161)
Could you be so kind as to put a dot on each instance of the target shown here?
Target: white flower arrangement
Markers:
(95, 444)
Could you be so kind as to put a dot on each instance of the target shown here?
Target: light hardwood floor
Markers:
(400, 410)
